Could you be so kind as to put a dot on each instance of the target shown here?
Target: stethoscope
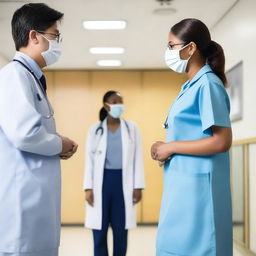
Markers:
(38, 83)
(100, 131)
(166, 125)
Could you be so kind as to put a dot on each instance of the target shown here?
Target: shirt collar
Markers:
(205, 69)
(30, 63)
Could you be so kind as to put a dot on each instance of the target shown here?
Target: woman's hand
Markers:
(161, 164)
(161, 151)
(219, 142)
(89, 197)
(137, 196)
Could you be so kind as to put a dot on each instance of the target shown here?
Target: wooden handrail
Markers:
(244, 141)
(244, 247)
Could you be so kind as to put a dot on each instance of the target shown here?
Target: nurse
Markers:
(195, 217)
(29, 145)
(114, 176)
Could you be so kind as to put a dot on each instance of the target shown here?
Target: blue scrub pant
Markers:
(113, 214)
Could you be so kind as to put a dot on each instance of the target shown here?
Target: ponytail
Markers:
(194, 30)
(216, 59)
(103, 114)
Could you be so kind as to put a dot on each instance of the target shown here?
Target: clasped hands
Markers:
(69, 148)
(161, 152)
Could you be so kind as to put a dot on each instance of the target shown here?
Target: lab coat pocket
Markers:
(27, 162)
(186, 222)
(42, 105)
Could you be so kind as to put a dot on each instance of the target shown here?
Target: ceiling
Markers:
(144, 39)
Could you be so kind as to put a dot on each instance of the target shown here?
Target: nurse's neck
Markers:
(195, 64)
(112, 121)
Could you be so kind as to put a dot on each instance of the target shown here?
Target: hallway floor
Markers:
(77, 241)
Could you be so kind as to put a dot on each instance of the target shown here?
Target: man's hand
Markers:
(69, 148)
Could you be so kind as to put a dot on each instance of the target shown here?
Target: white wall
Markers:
(3, 61)
(236, 32)
(252, 191)
(237, 184)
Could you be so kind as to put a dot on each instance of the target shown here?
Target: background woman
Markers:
(114, 176)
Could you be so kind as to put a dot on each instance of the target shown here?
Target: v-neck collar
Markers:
(119, 127)
(205, 69)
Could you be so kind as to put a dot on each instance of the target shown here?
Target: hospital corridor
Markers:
(127, 128)
(141, 242)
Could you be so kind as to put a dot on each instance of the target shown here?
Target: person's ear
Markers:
(107, 107)
(192, 48)
(33, 37)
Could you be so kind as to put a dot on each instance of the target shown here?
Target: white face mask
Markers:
(116, 110)
(174, 62)
(52, 55)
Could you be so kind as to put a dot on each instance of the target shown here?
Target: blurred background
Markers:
(130, 58)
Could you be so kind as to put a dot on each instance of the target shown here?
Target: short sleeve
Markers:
(214, 106)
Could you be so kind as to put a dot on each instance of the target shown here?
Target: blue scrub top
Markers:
(114, 150)
(195, 217)
(201, 104)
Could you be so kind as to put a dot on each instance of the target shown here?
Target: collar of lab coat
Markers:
(124, 130)
(29, 62)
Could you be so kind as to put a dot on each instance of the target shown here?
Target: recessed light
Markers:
(104, 25)
(109, 63)
(106, 50)
(164, 11)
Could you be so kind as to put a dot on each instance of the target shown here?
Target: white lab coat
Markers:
(133, 173)
(29, 167)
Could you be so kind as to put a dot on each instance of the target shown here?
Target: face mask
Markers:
(174, 62)
(53, 53)
(116, 110)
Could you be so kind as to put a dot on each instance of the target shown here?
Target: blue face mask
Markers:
(116, 110)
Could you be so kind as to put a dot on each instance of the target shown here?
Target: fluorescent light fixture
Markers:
(106, 50)
(104, 25)
(109, 63)
(164, 11)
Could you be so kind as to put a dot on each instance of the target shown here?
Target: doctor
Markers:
(196, 217)
(114, 176)
(29, 145)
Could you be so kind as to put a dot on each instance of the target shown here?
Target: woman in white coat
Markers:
(114, 176)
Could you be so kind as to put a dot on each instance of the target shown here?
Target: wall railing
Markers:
(243, 166)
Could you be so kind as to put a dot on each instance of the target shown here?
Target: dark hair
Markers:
(194, 30)
(32, 17)
(103, 112)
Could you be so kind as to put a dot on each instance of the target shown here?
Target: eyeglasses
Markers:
(170, 46)
(57, 36)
